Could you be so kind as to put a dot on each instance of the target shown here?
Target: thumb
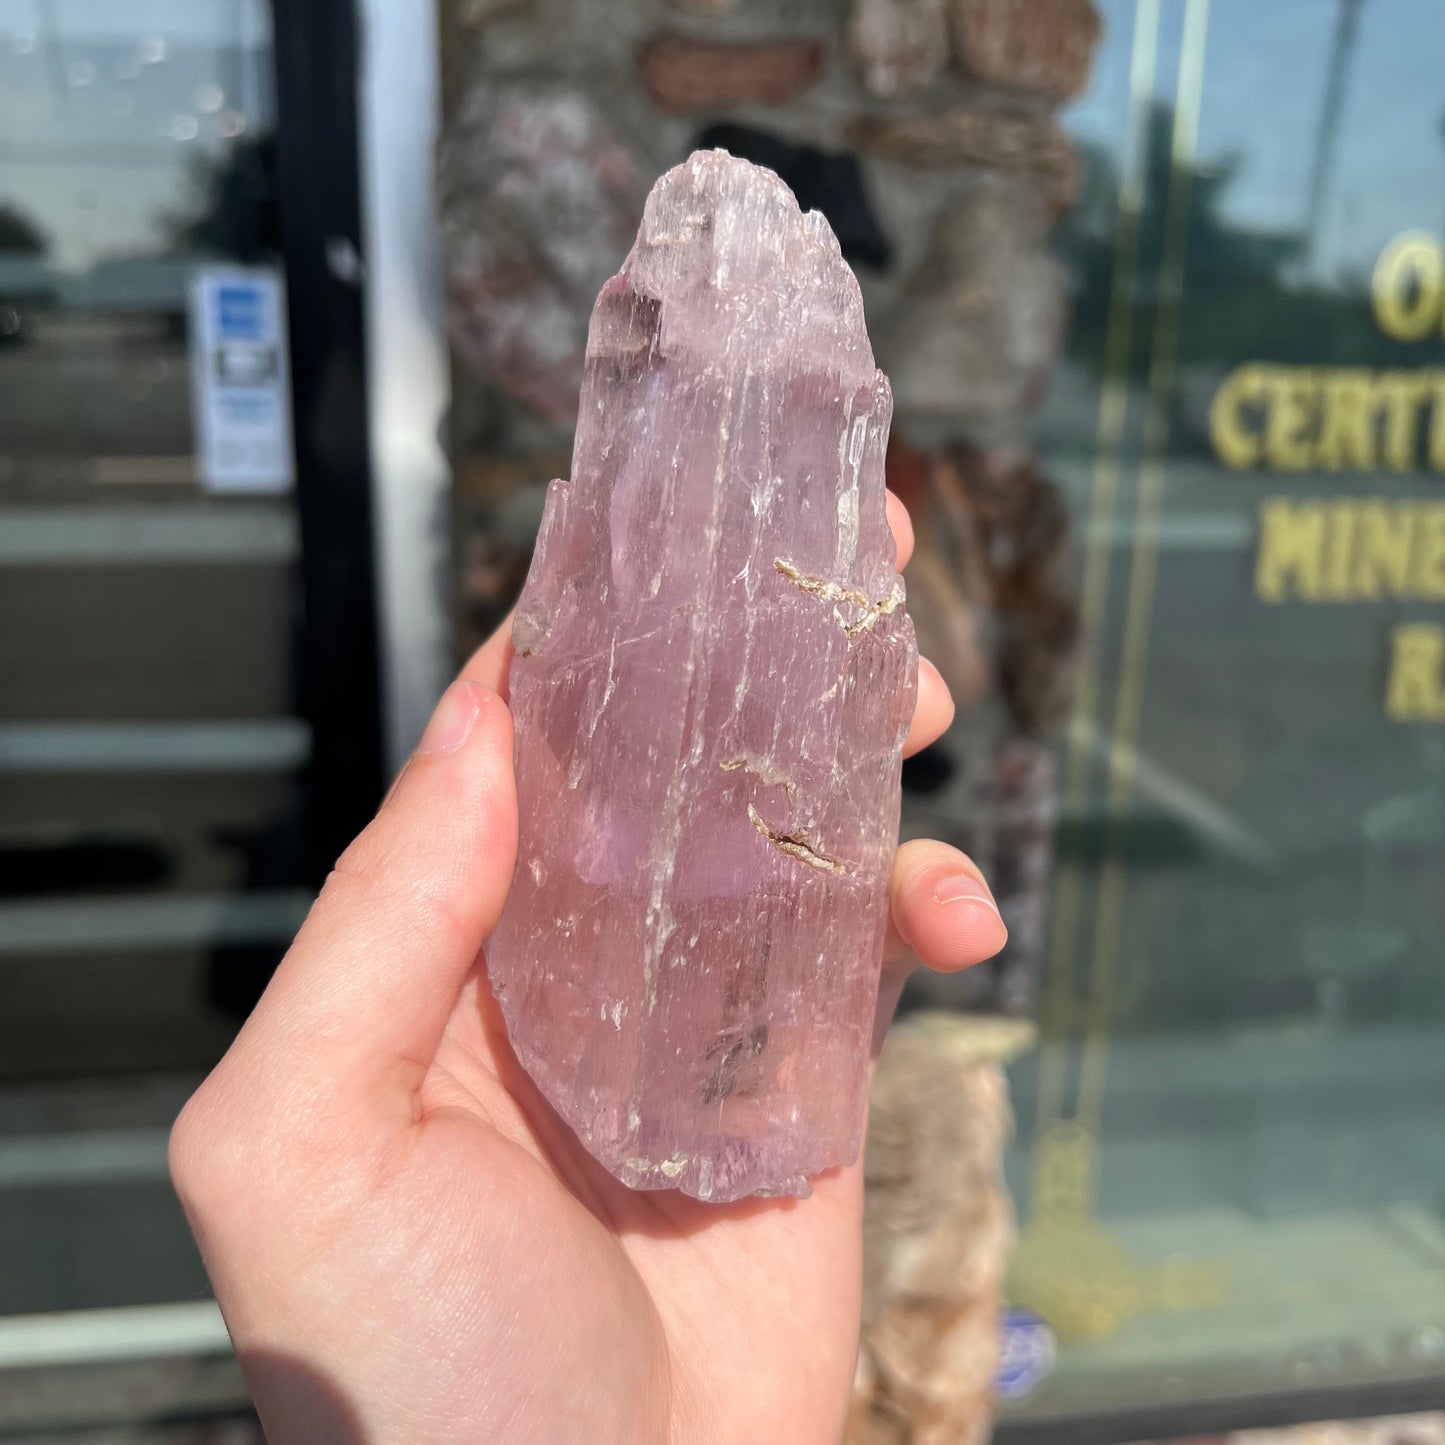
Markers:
(361, 1000)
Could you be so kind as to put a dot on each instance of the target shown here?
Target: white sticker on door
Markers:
(241, 379)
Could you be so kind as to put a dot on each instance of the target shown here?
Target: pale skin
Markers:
(409, 1246)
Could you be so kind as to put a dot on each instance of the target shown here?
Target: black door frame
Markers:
(317, 59)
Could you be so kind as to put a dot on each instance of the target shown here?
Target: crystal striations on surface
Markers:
(713, 680)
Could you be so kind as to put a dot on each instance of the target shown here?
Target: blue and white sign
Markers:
(1026, 1353)
(241, 379)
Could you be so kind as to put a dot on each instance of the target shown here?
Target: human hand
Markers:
(406, 1242)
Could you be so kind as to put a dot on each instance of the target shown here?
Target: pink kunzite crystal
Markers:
(713, 680)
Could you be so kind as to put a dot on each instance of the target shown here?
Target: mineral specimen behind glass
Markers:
(714, 674)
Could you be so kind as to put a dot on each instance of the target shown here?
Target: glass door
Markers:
(188, 719)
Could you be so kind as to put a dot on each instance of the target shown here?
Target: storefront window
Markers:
(1231, 1150)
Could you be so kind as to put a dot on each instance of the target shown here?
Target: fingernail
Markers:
(452, 722)
(963, 888)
